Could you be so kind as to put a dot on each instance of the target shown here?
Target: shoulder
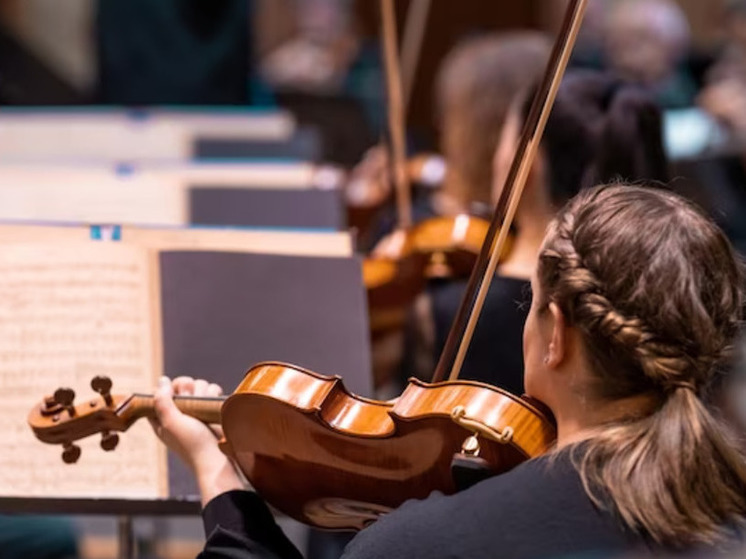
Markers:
(536, 510)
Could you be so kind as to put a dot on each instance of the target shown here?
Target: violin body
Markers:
(337, 461)
(393, 282)
(437, 248)
(451, 244)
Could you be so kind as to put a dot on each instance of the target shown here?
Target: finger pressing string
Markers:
(200, 387)
(164, 403)
(164, 385)
(183, 385)
(214, 390)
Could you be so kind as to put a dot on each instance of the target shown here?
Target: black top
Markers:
(538, 510)
(495, 355)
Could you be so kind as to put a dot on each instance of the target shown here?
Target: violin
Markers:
(333, 459)
(435, 249)
(320, 448)
(442, 247)
(449, 245)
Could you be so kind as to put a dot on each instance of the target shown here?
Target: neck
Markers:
(536, 209)
(581, 419)
(204, 409)
(531, 224)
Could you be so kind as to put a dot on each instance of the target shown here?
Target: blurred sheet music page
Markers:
(69, 312)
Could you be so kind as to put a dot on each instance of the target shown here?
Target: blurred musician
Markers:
(724, 96)
(474, 88)
(476, 85)
(647, 41)
(600, 129)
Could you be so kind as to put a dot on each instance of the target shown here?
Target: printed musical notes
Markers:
(69, 312)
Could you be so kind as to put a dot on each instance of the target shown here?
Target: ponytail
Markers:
(673, 476)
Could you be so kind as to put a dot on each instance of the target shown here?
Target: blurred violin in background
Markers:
(440, 247)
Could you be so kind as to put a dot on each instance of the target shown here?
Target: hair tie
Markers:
(683, 384)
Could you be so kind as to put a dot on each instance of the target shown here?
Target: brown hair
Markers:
(654, 289)
(477, 83)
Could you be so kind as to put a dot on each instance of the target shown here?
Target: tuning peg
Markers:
(71, 453)
(65, 398)
(109, 441)
(50, 407)
(102, 385)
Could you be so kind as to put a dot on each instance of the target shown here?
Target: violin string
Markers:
(412, 40)
(462, 331)
(396, 113)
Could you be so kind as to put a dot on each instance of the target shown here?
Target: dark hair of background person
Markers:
(735, 8)
(601, 129)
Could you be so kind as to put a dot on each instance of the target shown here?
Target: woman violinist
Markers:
(636, 302)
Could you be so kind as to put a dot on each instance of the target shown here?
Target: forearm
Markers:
(215, 475)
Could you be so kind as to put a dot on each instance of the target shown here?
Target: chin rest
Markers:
(469, 470)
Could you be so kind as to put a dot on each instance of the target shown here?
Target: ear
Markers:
(557, 349)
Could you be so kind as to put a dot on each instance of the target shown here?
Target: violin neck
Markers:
(206, 410)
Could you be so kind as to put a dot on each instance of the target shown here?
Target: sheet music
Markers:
(92, 196)
(241, 174)
(290, 243)
(144, 194)
(48, 136)
(69, 312)
(117, 135)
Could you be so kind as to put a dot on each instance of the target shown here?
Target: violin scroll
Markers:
(58, 420)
